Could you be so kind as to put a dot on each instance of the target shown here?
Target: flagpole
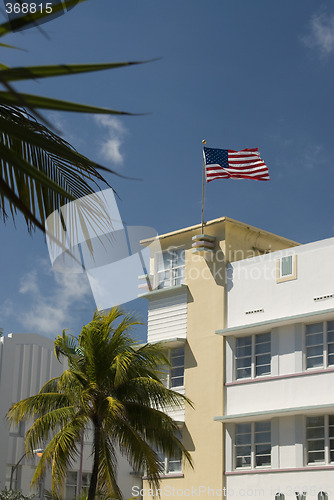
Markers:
(203, 184)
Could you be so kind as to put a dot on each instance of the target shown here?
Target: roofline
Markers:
(298, 410)
(283, 321)
(217, 221)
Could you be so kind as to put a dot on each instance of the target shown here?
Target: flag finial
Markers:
(204, 142)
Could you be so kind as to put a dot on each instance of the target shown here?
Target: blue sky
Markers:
(238, 74)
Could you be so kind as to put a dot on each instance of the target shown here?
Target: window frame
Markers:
(253, 445)
(84, 485)
(327, 441)
(171, 268)
(70, 484)
(325, 346)
(166, 460)
(253, 362)
(167, 370)
(280, 276)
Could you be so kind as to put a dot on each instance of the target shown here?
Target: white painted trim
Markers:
(323, 315)
(281, 412)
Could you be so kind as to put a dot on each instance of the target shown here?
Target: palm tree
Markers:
(111, 385)
(39, 171)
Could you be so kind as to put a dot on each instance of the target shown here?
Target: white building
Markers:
(27, 362)
(279, 374)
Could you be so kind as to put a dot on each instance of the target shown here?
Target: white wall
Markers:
(252, 285)
(27, 362)
(266, 485)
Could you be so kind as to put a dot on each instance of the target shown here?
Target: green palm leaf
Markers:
(113, 387)
(26, 20)
(40, 172)
(35, 101)
(33, 72)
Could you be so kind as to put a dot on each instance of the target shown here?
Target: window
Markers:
(18, 430)
(171, 464)
(72, 484)
(320, 439)
(253, 356)
(86, 476)
(169, 268)
(286, 268)
(319, 345)
(252, 446)
(173, 376)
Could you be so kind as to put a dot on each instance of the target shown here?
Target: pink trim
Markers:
(262, 471)
(278, 377)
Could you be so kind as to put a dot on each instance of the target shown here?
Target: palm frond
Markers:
(48, 71)
(39, 173)
(108, 468)
(46, 424)
(114, 387)
(26, 20)
(60, 452)
(36, 405)
(39, 102)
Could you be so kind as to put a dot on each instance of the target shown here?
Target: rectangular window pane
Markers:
(177, 367)
(243, 429)
(244, 350)
(175, 463)
(315, 432)
(244, 341)
(262, 441)
(314, 362)
(262, 354)
(314, 341)
(243, 445)
(330, 343)
(243, 461)
(286, 266)
(263, 370)
(244, 362)
(314, 328)
(263, 359)
(170, 268)
(243, 439)
(243, 357)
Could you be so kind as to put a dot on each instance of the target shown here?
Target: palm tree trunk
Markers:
(95, 471)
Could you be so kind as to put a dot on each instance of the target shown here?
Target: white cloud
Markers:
(110, 145)
(29, 283)
(321, 35)
(49, 311)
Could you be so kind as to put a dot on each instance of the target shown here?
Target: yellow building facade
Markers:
(187, 305)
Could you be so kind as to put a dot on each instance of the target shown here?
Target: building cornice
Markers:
(271, 323)
(279, 412)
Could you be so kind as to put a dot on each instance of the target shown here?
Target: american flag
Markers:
(230, 164)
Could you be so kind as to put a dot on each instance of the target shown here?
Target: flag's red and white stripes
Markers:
(245, 164)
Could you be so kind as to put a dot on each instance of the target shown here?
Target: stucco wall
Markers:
(252, 285)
